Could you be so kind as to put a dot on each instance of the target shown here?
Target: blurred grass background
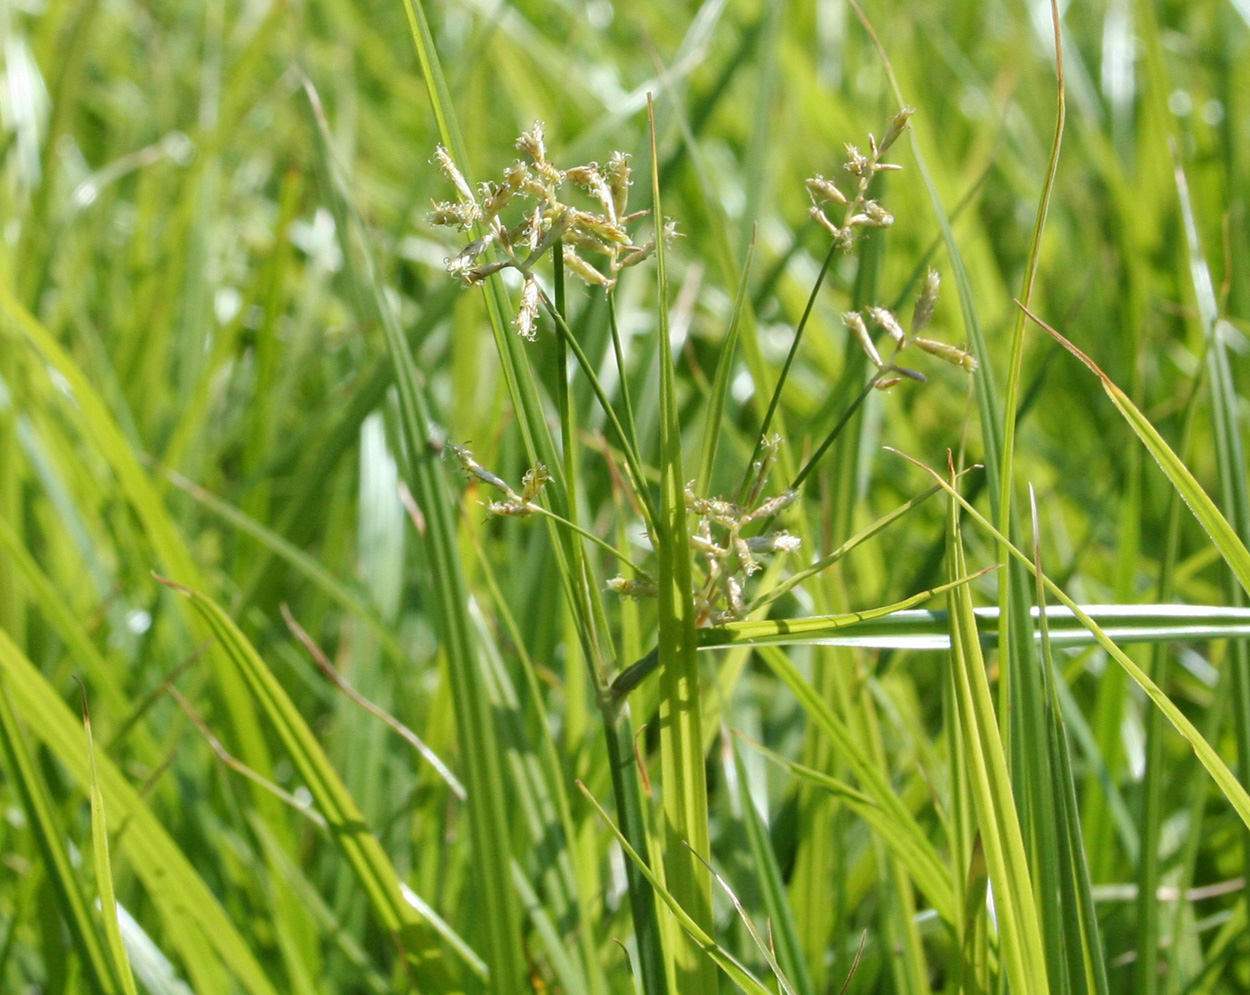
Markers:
(187, 386)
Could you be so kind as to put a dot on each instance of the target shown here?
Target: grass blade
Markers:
(359, 846)
(103, 866)
(1224, 778)
(703, 943)
(783, 932)
(50, 838)
(896, 627)
(905, 836)
(712, 425)
(680, 714)
(1015, 904)
(1081, 943)
(197, 922)
(1213, 523)
(489, 825)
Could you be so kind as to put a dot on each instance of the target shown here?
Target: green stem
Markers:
(785, 367)
(633, 464)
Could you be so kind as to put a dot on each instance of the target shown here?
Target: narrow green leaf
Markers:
(1079, 940)
(712, 425)
(780, 631)
(416, 939)
(904, 833)
(489, 826)
(701, 940)
(197, 922)
(680, 714)
(50, 839)
(892, 627)
(902, 836)
(1015, 904)
(772, 886)
(1213, 523)
(103, 866)
(1224, 778)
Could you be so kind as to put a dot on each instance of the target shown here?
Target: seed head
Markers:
(527, 313)
(885, 320)
(925, 302)
(898, 124)
(472, 468)
(619, 182)
(873, 215)
(775, 542)
(950, 353)
(510, 509)
(533, 482)
(583, 270)
(771, 507)
(638, 587)
(448, 166)
(855, 322)
(533, 144)
(857, 164)
(826, 190)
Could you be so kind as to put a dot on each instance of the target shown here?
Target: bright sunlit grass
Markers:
(608, 560)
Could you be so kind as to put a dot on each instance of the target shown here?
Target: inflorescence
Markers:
(728, 554)
(722, 537)
(860, 213)
(545, 219)
(514, 505)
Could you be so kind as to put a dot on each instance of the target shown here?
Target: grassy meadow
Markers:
(598, 609)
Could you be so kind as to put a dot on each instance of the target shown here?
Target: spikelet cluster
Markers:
(719, 541)
(858, 213)
(513, 505)
(889, 372)
(524, 213)
(728, 553)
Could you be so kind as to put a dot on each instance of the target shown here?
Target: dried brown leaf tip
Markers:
(858, 212)
(524, 213)
(889, 373)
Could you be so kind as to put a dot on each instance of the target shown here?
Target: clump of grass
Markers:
(212, 316)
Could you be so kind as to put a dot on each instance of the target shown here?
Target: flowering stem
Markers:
(563, 400)
(602, 544)
(619, 353)
(633, 465)
(785, 368)
(833, 434)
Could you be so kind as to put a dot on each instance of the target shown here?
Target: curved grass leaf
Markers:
(196, 921)
(103, 866)
(50, 839)
(984, 760)
(1084, 960)
(1210, 759)
(487, 807)
(772, 886)
(698, 936)
(416, 938)
(904, 833)
(924, 629)
(1213, 523)
(680, 713)
(911, 847)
